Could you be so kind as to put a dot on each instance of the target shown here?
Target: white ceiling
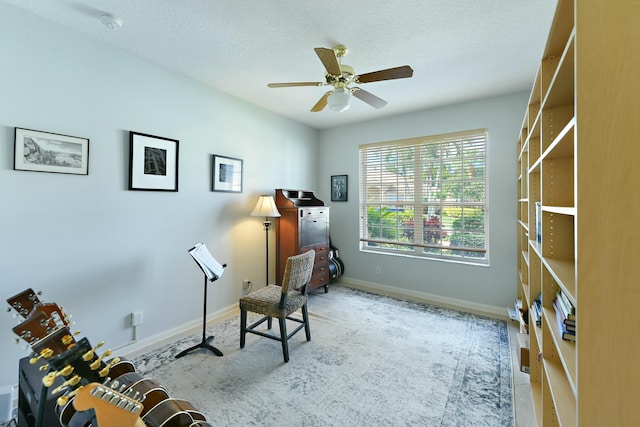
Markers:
(459, 50)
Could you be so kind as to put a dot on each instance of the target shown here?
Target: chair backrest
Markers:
(298, 270)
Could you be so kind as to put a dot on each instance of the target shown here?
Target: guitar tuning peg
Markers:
(71, 382)
(50, 378)
(44, 367)
(105, 371)
(44, 354)
(98, 362)
(130, 392)
(62, 400)
(89, 355)
(67, 339)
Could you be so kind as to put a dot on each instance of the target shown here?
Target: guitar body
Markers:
(336, 266)
(172, 413)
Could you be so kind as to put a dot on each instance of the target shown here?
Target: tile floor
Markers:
(523, 402)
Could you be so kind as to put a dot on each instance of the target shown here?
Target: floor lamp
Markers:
(266, 207)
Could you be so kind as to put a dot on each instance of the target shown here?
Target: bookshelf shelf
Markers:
(577, 228)
(566, 350)
(562, 395)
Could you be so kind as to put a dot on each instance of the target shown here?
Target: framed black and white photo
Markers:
(339, 188)
(226, 174)
(153, 163)
(50, 152)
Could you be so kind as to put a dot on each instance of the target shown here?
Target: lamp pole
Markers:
(267, 226)
(266, 208)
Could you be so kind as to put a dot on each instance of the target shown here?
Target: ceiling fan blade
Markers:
(388, 74)
(329, 60)
(322, 102)
(296, 84)
(369, 98)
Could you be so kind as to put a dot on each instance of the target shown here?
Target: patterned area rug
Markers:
(371, 361)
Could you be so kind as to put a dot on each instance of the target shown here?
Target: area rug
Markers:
(371, 361)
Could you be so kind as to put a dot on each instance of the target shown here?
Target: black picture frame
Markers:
(39, 151)
(153, 162)
(339, 188)
(226, 174)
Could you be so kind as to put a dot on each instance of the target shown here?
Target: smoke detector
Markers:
(111, 21)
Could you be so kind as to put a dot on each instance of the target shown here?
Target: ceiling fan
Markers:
(341, 77)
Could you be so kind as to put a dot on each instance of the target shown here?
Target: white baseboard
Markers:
(136, 348)
(457, 304)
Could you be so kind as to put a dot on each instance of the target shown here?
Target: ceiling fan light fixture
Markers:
(339, 100)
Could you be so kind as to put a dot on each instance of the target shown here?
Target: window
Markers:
(426, 197)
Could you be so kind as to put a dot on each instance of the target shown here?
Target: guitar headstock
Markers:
(112, 408)
(27, 303)
(24, 302)
(35, 327)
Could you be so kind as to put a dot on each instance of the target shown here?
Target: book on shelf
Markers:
(539, 222)
(565, 333)
(513, 312)
(565, 305)
(536, 312)
(565, 300)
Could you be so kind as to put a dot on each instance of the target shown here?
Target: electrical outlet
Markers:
(136, 318)
(246, 286)
(377, 269)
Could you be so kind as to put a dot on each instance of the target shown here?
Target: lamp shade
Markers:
(265, 207)
(339, 100)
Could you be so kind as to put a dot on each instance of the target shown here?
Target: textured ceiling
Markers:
(459, 50)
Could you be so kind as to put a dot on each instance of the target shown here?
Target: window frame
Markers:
(414, 197)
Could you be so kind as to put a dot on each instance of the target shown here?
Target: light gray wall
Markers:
(103, 251)
(492, 286)
(87, 242)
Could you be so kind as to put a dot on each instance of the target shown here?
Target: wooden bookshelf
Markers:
(577, 159)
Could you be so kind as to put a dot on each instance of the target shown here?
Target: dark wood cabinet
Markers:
(303, 225)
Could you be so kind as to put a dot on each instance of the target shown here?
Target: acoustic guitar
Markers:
(336, 266)
(99, 392)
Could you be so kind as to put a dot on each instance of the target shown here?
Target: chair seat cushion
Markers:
(266, 301)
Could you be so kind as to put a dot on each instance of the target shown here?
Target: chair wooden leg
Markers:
(283, 339)
(243, 326)
(305, 318)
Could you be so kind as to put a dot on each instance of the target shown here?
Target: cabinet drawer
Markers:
(322, 252)
(320, 268)
(319, 279)
(313, 213)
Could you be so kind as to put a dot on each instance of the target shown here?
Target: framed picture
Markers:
(226, 174)
(339, 188)
(50, 152)
(153, 163)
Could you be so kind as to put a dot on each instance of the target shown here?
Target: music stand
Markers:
(212, 271)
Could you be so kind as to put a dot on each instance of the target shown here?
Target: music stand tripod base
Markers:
(204, 344)
(205, 341)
